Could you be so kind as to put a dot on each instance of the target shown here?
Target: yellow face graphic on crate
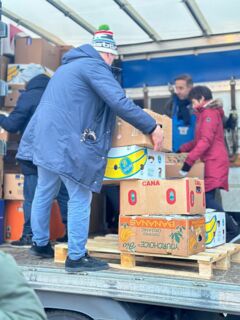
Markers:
(126, 165)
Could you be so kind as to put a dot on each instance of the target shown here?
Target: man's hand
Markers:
(157, 138)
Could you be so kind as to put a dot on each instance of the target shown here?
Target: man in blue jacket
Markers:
(17, 121)
(69, 137)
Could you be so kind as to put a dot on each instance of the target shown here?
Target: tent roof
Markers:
(139, 25)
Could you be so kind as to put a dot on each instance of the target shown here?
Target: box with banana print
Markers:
(134, 162)
(171, 235)
(215, 228)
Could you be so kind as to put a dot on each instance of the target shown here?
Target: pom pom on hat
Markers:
(103, 40)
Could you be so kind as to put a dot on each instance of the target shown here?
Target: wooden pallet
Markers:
(201, 265)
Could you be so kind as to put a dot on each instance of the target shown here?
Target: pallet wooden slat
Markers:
(107, 248)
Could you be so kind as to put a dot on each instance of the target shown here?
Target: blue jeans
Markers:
(78, 211)
(30, 184)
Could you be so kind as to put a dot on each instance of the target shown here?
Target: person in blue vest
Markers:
(16, 121)
(180, 110)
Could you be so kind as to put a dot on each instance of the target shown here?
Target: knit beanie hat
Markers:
(103, 40)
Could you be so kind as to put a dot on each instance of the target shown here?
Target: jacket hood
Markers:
(214, 104)
(84, 51)
(39, 81)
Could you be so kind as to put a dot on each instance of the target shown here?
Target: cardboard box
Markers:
(151, 197)
(12, 98)
(14, 92)
(134, 162)
(215, 229)
(174, 163)
(20, 74)
(3, 69)
(39, 51)
(171, 235)
(63, 50)
(13, 186)
(126, 135)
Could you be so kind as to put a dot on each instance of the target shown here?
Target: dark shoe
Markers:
(85, 263)
(63, 239)
(43, 251)
(24, 241)
(232, 228)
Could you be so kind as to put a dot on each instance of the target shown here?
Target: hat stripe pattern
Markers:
(103, 41)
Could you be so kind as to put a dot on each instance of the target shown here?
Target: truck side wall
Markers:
(203, 67)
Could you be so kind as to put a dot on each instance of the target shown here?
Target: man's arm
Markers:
(17, 300)
(18, 118)
(100, 78)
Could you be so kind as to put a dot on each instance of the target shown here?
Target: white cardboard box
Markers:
(134, 162)
(215, 229)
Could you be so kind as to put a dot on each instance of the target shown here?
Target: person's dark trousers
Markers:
(30, 183)
(232, 227)
(211, 201)
(62, 199)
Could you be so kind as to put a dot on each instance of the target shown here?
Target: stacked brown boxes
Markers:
(3, 74)
(39, 51)
(32, 56)
(164, 214)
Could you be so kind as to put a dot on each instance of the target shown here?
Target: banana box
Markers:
(134, 162)
(22, 73)
(215, 229)
(170, 196)
(171, 235)
(13, 186)
(125, 134)
(174, 163)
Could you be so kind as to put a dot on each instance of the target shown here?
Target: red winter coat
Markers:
(209, 146)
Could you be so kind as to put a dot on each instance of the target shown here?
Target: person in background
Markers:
(180, 110)
(69, 137)
(209, 146)
(18, 301)
(16, 121)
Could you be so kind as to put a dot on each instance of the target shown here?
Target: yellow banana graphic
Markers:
(126, 165)
(12, 72)
(211, 228)
(125, 234)
(192, 242)
(210, 224)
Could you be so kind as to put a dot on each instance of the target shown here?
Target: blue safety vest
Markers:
(181, 132)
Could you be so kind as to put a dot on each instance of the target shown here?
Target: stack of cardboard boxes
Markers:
(160, 213)
(32, 56)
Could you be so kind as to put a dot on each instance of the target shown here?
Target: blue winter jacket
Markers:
(82, 94)
(19, 118)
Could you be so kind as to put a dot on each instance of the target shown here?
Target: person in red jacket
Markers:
(209, 146)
